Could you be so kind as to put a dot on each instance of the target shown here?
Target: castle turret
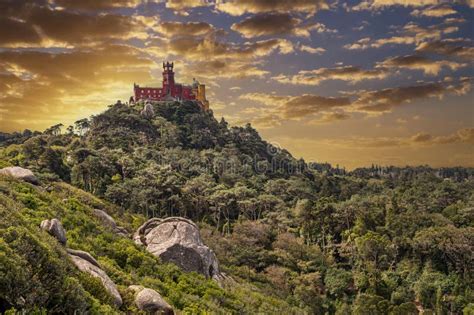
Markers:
(168, 78)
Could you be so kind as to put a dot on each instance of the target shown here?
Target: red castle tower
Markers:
(171, 90)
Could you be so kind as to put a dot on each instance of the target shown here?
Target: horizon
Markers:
(351, 84)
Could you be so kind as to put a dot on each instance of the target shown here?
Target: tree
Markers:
(82, 125)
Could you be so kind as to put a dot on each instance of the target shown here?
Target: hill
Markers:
(295, 237)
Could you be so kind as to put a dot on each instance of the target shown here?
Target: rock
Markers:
(148, 111)
(86, 263)
(149, 300)
(105, 218)
(20, 173)
(178, 240)
(55, 228)
(108, 221)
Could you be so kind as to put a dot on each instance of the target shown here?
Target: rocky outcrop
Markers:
(86, 263)
(148, 111)
(55, 228)
(20, 173)
(108, 221)
(149, 300)
(178, 240)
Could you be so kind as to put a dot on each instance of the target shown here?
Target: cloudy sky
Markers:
(347, 82)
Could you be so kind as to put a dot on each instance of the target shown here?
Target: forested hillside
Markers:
(296, 237)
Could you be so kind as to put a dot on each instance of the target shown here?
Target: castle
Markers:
(171, 91)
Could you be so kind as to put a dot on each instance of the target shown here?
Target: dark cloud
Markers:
(30, 24)
(23, 34)
(385, 100)
(296, 107)
(185, 29)
(266, 24)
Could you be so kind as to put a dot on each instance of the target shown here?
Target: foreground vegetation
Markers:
(296, 237)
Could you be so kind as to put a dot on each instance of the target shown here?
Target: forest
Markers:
(297, 237)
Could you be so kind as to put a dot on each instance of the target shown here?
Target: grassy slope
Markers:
(35, 272)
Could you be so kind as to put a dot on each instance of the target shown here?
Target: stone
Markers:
(55, 228)
(20, 173)
(86, 263)
(148, 111)
(149, 300)
(108, 221)
(105, 218)
(178, 240)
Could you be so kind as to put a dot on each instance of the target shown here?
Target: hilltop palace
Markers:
(171, 91)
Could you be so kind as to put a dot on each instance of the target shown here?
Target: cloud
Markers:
(385, 100)
(350, 74)
(381, 4)
(96, 5)
(214, 69)
(42, 26)
(178, 5)
(326, 118)
(240, 7)
(448, 47)
(296, 107)
(417, 62)
(171, 29)
(34, 92)
(312, 50)
(421, 139)
(266, 24)
(410, 34)
(209, 48)
(435, 11)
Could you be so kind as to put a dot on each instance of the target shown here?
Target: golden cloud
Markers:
(435, 11)
(240, 7)
(312, 50)
(350, 74)
(380, 4)
(178, 5)
(417, 62)
(41, 88)
(409, 34)
(96, 5)
(448, 47)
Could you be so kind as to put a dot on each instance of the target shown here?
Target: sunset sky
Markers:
(347, 82)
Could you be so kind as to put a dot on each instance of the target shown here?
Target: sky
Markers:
(352, 83)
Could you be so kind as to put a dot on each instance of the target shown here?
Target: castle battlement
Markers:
(170, 90)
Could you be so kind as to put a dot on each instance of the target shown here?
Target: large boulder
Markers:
(148, 111)
(149, 300)
(108, 221)
(178, 240)
(20, 173)
(86, 263)
(55, 228)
